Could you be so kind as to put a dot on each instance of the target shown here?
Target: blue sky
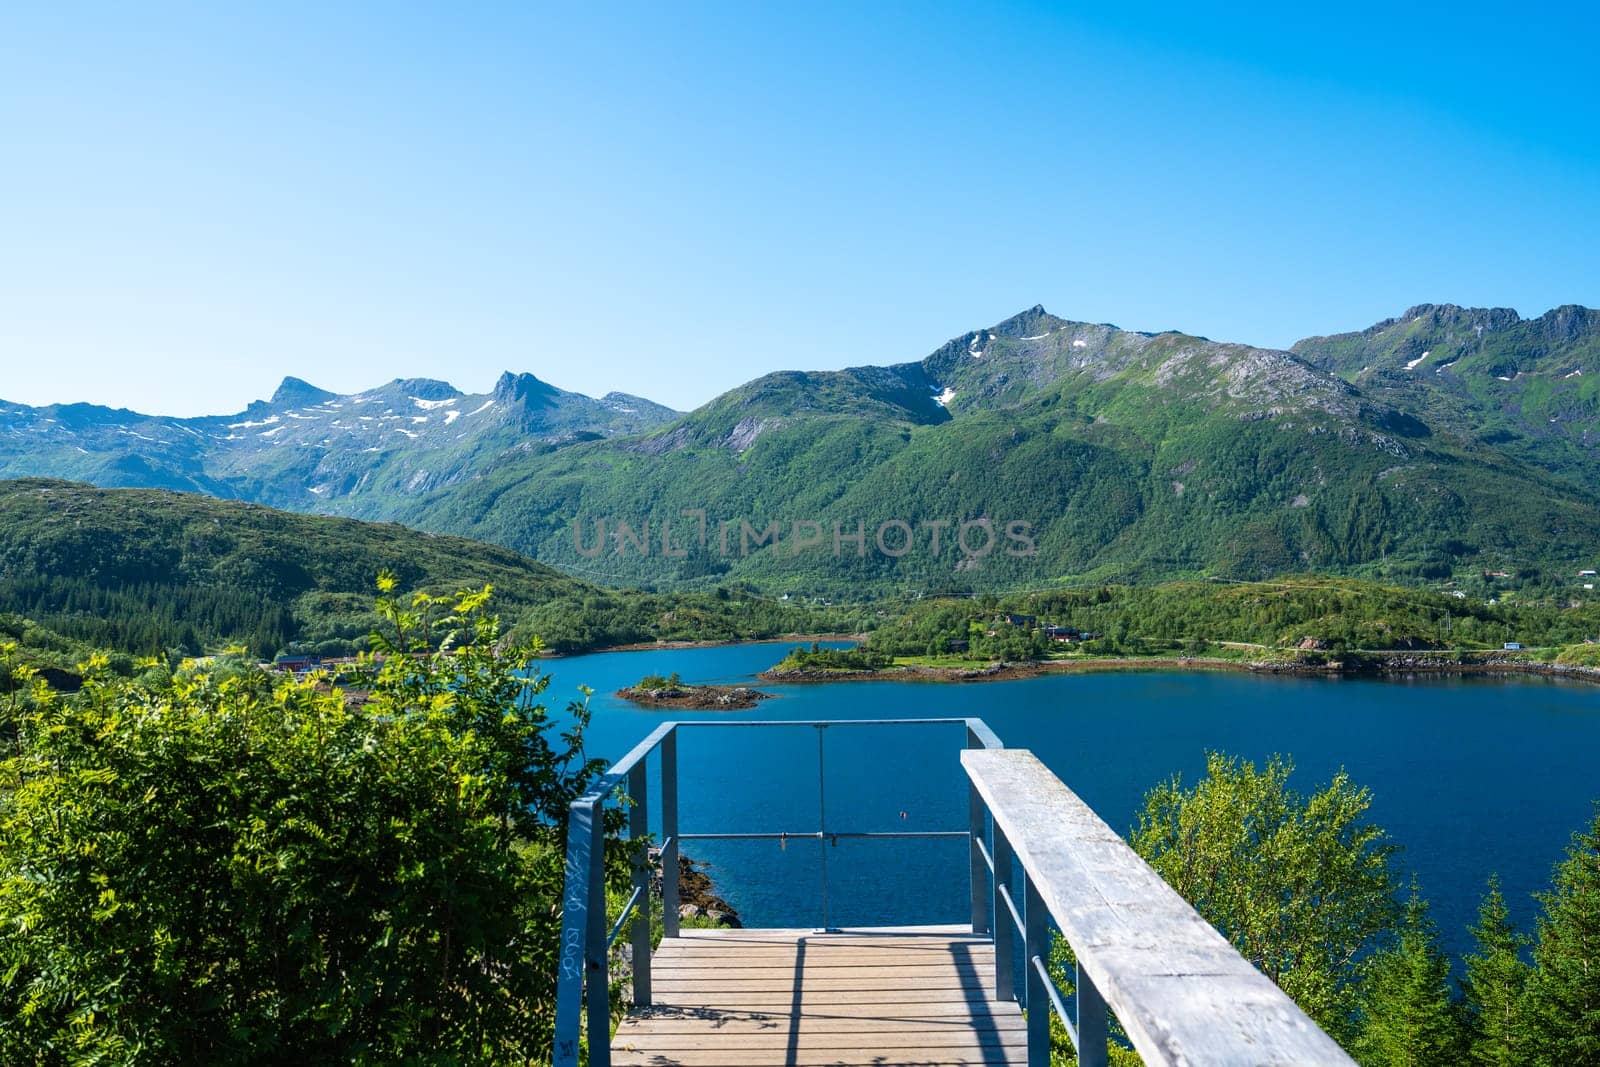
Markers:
(670, 199)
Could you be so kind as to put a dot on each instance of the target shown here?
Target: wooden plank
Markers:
(892, 970)
(996, 1056)
(1181, 992)
(875, 1003)
(822, 1023)
(794, 997)
(820, 1039)
(836, 984)
(756, 999)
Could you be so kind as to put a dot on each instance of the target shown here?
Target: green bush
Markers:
(232, 867)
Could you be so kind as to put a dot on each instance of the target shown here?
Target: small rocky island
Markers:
(657, 692)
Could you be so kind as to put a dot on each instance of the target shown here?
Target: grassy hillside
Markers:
(144, 571)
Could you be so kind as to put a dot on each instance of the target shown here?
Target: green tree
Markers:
(238, 867)
(1407, 1016)
(1301, 885)
(1494, 986)
(1564, 993)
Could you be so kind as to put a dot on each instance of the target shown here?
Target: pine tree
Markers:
(1407, 1017)
(1495, 986)
(1564, 994)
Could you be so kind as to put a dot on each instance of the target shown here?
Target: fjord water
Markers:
(1472, 775)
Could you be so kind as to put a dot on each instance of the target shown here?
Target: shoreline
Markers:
(1398, 665)
(720, 642)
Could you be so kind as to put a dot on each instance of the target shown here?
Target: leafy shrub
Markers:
(233, 867)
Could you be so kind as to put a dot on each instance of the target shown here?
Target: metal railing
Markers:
(583, 997)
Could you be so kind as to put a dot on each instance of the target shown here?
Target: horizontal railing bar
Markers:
(981, 731)
(1011, 906)
(1056, 1002)
(813, 835)
(826, 722)
(983, 850)
(619, 770)
(627, 910)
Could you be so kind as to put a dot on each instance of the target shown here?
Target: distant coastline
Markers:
(1398, 664)
(662, 646)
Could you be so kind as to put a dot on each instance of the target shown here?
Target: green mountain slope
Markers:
(1528, 387)
(1137, 456)
(143, 571)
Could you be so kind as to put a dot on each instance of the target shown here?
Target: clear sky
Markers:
(669, 199)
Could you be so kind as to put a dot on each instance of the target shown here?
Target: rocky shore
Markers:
(697, 896)
(696, 697)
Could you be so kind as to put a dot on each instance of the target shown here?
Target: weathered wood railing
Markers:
(1181, 992)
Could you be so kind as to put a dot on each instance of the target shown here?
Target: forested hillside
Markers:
(145, 571)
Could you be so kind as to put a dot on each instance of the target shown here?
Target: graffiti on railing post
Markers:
(574, 923)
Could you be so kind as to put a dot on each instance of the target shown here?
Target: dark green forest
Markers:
(149, 572)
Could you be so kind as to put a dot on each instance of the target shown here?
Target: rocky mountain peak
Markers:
(296, 392)
(1027, 323)
(1446, 315)
(524, 390)
(425, 389)
(1567, 322)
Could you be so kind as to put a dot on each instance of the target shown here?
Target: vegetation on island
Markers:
(1306, 887)
(817, 658)
(672, 692)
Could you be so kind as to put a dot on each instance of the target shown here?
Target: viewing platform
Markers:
(1039, 860)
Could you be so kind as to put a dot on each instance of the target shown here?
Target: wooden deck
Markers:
(918, 995)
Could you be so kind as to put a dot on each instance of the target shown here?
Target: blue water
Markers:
(1471, 775)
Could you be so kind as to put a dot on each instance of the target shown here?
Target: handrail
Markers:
(1183, 994)
(583, 987)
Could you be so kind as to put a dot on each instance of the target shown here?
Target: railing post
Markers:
(822, 824)
(638, 832)
(1036, 944)
(597, 975)
(1005, 934)
(669, 834)
(575, 930)
(976, 822)
(1091, 1023)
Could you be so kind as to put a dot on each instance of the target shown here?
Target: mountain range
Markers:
(311, 450)
(1442, 443)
